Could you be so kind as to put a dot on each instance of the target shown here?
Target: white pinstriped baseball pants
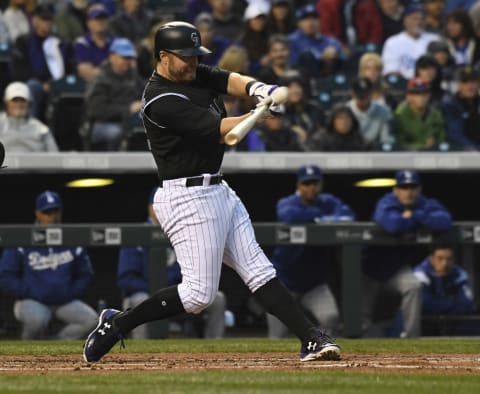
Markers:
(208, 225)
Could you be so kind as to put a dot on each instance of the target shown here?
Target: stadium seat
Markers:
(332, 90)
(65, 111)
(396, 86)
(135, 138)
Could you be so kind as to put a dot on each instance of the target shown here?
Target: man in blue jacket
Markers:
(303, 270)
(462, 111)
(48, 281)
(402, 211)
(445, 285)
(132, 279)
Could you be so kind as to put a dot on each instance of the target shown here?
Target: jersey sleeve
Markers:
(11, 273)
(214, 77)
(176, 112)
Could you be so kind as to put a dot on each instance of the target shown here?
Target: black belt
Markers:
(198, 180)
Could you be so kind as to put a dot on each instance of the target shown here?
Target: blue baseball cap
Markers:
(48, 200)
(123, 47)
(407, 177)
(309, 172)
(413, 7)
(97, 10)
(306, 11)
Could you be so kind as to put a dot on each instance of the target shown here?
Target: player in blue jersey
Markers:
(304, 270)
(48, 282)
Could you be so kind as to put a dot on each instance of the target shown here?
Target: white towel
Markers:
(54, 58)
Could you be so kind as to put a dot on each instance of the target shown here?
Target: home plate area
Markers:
(361, 362)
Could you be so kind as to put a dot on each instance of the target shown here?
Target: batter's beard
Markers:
(183, 76)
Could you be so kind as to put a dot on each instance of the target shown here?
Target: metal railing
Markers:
(349, 237)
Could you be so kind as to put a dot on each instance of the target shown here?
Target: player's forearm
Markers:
(228, 124)
(237, 84)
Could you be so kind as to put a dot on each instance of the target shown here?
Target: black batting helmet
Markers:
(180, 38)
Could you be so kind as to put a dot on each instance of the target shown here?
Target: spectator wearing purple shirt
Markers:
(93, 47)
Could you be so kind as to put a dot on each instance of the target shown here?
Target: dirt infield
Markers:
(169, 362)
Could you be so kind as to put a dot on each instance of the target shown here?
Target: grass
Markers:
(427, 345)
(244, 381)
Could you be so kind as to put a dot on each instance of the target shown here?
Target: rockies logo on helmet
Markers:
(195, 39)
(181, 38)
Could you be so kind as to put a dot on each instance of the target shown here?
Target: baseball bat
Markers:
(234, 136)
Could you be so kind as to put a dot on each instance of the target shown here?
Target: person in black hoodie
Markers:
(341, 134)
(114, 97)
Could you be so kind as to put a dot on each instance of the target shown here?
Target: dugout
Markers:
(259, 179)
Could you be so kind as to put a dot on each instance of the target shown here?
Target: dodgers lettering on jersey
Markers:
(52, 276)
(51, 261)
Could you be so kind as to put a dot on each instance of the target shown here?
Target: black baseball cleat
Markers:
(319, 347)
(103, 337)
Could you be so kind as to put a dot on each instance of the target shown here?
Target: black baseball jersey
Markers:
(182, 122)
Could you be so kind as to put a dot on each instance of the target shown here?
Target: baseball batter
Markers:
(205, 221)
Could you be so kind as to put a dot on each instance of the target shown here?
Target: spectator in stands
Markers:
(275, 134)
(374, 119)
(399, 213)
(281, 19)
(17, 18)
(401, 51)
(132, 21)
(217, 44)
(4, 37)
(40, 57)
(418, 125)
(429, 71)
(255, 36)
(475, 17)
(391, 13)
(145, 58)
(445, 286)
(455, 4)
(370, 66)
(304, 270)
(225, 23)
(314, 53)
(20, 132)
(93, 47)
(434, 16)
(132, 279)
(235, 59)
(351, 22)
(461, 39)
(304, 114)
(71, 23)
(48, 282)
(342, 133)
(193, 8)
(114, 96)
(440, 51)
(462, 112)
(279, 66)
